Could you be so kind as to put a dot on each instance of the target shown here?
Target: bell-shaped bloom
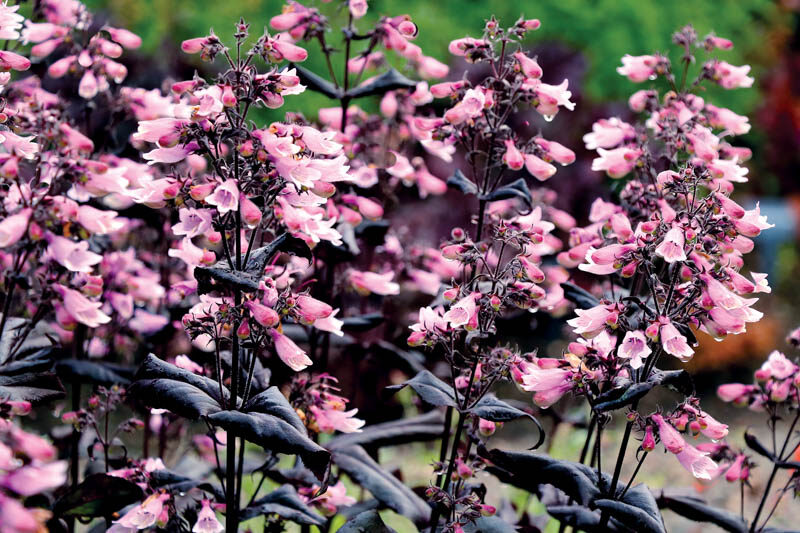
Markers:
(538, 167)
(289, 352)
(675, 343)
(266, 316)
(590, 322)
(634, 347)
(12, 228)
(207, 520)
(673, 441)
(225, 197)
(671, 247)
(737, 471)
(74, 256)
(555, 151)
(608, 133)
(12, 61)
(146, 514)
(463, 313)
(696, 462)
(35, 478)
(470, 106)
(551, 97)
(712, 428)
(730, 76)
(372, 282)
(528, 66)
(512, 157)
(638, 68)
(778, 366)
(193, 222)
(617, 162)
(81, 308)
(310, 309)
(330, 420)
(734, 392)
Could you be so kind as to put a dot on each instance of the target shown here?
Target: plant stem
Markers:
(448, 421)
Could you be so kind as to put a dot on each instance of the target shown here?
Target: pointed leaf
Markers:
(754, 444)
(317, 83)
(94, 372)
(630, 516)
(516, 189)
(699, 511)
(276, 435)
(286, 503)
(362, 323)
(580, 297)
(99, 495)
(430, 388)
(420, 428)
(386, 488)
(496, 410)
(366, 522)
(273, 402)
(459, 181)
(388, 81)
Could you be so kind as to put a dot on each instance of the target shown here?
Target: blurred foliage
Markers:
(604, 30)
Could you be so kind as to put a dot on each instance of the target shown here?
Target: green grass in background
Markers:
(603, 30)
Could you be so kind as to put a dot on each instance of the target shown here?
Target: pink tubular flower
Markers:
(674, 343)
(74, 256)
(638, 68)
(463, 313)
(470, 106)
(289, 352)
(14, 227)
(608, 133)
(225, 197)
(778, 366)
(555, 151)
(330, 420)
(12, 61)
(617, 162)
(81, 308)
(696, 462)
(266, 316)
(634, 347)
(737, 470)
(251, 214)
(528, 66)
(672, 246)
(729, 76)
(207, 520)
(539, 168)
(310, 309)
(33, 479)
(512, 157)
(590, 322)
(146, 514)
(372, 282)
(672, 440)
(358, 8)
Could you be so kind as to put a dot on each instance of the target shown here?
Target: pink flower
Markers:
(310, 309)
(638, 68)
(358, 8)
(671, 247)
(183, 361)
(463, 313)
(74, 256)
(12, 228)
(16, 518)
(617, 162)
(289, 352)
(551, 97)
(734, 392)
(330, 323)
(672, 440)
(33, 479)
(512, 157)
(528, 66)
(194, 46)
(10, 60)
(98, 221)
(330, 420)
(193, 222)
(752, 223)
(539, 168)
(737, 470)
(372, 282)
(674, 343)
(634, 347)
(251, 214)
(146, 514)
(266, 316)
(207, 520)
(590, 322)
(147, 323)
(778, 366)
(697, 462)
(608, 133)
(470, 106)
(81, 308)
(729, 76)
(555, 151)
(225, 197)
